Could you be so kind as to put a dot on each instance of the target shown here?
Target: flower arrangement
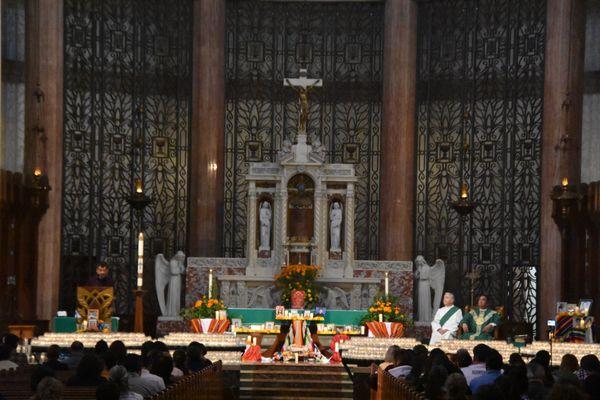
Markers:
(388, 307)
(298, 277)
(203, 308)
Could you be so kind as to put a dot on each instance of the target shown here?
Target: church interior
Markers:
(300, 199)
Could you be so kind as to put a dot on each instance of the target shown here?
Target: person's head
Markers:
(119, 350)
(102, 270)
(448, 299)
(179, 358)
(76, 347)
(569, 363)
(535, 372)
(193, 354)
(133, 363)
(4, 352)
(11, 340)
(515, 360)
(49, 389)
(590, 363)
(463, 358)
(147, 347)
(456, 386)
(435, 382)
(542, 357)
(109, 360)
(391, 354)
(162, 365)
(404, 357)
(513, 383)
(101, 347)
(493, 362)
(108, 391)
(420, 350)
(480, 353)
(53, 352)
(118, 375)
(89, 366)
(482, 301)
(161, 346)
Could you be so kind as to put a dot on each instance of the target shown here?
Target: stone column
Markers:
(208, 129)
(43, 149)
(561, 151)
(398, 131)
(349, 232)
(251, 230)
(280, 231)
(318, 239)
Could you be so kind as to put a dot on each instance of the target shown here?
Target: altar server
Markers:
(446, 320)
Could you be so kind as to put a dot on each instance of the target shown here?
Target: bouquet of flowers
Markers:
(203, 308)
(298, 277)
(389, 309)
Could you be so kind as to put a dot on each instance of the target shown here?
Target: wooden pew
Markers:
(203, 385)
(390, 388)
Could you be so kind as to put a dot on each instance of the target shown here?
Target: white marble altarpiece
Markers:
(300, 210)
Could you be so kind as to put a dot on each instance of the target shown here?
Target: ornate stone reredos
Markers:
(302, 152)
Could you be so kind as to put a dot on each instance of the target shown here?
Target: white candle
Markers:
(254, 341)
(140, 261)
(362, 330)
(337, 347)
(387, 285)
(210, 283)
(296, 357)
(249, 339)
(380, 317)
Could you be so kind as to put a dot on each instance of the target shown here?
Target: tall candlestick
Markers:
(210, 283)
(387, 285)
(140, 261)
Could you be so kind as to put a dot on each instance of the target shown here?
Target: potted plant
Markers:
(387, 309)
(298, 285)
(202, 313)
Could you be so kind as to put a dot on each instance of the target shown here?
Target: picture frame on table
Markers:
(585, 305)
(561, 307)
(236, 323)
(92, 321)
(279, 311)
(270, 325)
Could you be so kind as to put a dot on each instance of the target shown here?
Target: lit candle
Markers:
(140, 262)
(464, 192)
(565, 182)
(37, 172)
(387, 285)
(210, 283)
(362, 330)
(380, 317)
(337, 347)
(138, 186)
(254, 341)
(296, 357)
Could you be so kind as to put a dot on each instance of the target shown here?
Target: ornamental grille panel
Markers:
(338, 42)
(127, 99)
(479, 119)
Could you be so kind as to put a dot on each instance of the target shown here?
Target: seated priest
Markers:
(102, 276)
(446, 320)
(479, 323)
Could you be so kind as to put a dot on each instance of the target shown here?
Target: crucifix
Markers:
(472, 276)
(302, 85)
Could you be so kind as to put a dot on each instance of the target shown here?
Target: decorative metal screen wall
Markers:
(479, 119)
(339, 42)
(127, 90)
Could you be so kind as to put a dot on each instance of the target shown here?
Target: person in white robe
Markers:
(446, 320)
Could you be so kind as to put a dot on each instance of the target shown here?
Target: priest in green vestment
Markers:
(479, 323)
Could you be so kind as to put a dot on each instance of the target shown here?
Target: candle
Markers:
(387, 284)
(337, 347)
(37, 172)
(254, 341)
(296, 358)
(138, 186)
(380, 317)
(565, 182)
(210, 283)
(140, 261)
(249, 339)
(464, 192)
(362, 330)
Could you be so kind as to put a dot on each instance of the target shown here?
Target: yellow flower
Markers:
(198, 304)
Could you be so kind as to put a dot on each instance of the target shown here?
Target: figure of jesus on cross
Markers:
(302, 85)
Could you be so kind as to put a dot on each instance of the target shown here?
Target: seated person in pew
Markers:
(5, 363)
(53, 354)
(446, 320)
(137, 383)
(49, 388)
(392, 357)
(88, 372)
(403, 364)
(196, 357)
(480, 322)
(118, 374)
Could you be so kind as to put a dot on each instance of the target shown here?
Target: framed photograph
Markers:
(93, 315)
(279, 311)
(236, 323)
(585, 305)
(561, 306)
(320, 327)
(320, 311)
(269, 325)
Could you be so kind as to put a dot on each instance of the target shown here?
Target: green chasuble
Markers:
(476, 320)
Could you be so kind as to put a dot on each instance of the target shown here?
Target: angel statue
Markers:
(169, 273)
(335, 219)
(429, 277)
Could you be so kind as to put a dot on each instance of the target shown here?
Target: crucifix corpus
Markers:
(473, 276)
(302, 85)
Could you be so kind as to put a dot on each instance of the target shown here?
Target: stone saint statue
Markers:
(429, 277)
(265, 226)
(335, 219)
(168, 273)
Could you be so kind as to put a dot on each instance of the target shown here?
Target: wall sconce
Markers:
(138, 201)
(565, 199)
(463, 206)
(212, 166)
